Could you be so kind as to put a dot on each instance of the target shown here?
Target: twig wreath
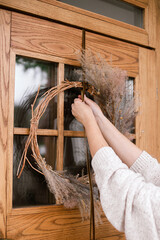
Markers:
(108, 85)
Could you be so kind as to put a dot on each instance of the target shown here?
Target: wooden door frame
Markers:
(54, 10)
(5, 20)
(148, 37)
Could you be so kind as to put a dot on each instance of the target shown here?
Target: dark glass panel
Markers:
(31, 189)
(69, 97)
(115, 9)
(75, 155)
(30, 74)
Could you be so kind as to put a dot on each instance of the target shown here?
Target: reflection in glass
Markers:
(75, 155)
(69, 96)
(116, 9)
(31, 189)
(29, 75)
(130, 88)
(129, 96)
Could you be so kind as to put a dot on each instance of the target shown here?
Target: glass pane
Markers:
(115, 9)
(75, 155)
(69, 97)
(29, 75)
(31, 189)
(130, 88)
(129, 96)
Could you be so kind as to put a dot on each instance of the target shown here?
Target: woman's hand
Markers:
(84, 114)
(81, 111)
(95, 108)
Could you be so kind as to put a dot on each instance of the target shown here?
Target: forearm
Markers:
(125, 149)
(94, 135)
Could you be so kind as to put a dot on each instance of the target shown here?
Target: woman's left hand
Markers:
(81, 111)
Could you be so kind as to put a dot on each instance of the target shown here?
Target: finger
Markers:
(80, 97)
(88, 101)
(77, 100)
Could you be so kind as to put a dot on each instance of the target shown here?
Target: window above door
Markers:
(116, 9)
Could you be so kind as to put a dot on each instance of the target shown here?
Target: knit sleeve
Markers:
(148, 167)
(129, 203)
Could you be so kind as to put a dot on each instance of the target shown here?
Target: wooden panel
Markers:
(5, 20)
(117, 53)
(60, 119)
(146, 124)
(55, 223)
(83, 19)
(45, 37)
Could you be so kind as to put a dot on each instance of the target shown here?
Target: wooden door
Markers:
(29, 37)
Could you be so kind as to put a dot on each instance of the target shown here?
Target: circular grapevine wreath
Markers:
(67, 189)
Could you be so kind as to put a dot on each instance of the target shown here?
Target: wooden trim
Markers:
(10, 133)
(83, 19)
(35, 209)
(138, 3)
(45, 57)
(51, 132)
(68, 133)
(146, 122)
(40, 132)
(150, 23)
(60, 119)
(116, 237)
(145, 18)
(48, 132)
(5, 21)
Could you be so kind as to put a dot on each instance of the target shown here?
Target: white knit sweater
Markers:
(130, 197)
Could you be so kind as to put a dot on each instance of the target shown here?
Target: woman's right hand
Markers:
(95, 108)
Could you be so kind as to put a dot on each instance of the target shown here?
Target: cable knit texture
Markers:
(129, 197)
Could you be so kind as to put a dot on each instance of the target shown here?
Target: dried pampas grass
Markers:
(111, 84)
